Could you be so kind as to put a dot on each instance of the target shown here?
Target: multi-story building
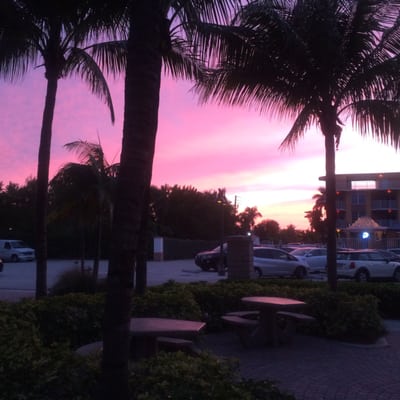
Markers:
(374, 195)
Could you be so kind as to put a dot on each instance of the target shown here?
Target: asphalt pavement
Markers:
(18, 279)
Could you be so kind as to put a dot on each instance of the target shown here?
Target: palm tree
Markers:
(51, 35)
(319, 62)
(156, 29)
(91, 183)
(247, 218)
(317, 216)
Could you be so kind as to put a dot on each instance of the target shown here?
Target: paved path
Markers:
(319, 369)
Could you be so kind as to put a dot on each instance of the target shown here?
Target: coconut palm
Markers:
(155, 26)
(52, 35)
(318, 62)
(91, 185)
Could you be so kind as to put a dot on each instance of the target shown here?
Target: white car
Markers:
(269, 261)
(15, 250)
(366, 265)
(315, 257)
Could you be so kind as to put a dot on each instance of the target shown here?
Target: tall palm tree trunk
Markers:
(330, 204)
(42, 186)
(97, 256)
(142, 87)
(141, 254)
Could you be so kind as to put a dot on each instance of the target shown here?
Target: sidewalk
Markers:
(314, 368)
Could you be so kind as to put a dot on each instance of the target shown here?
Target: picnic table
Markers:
(267, 330)
(148, 332)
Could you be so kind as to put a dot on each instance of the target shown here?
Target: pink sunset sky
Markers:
(207, 147)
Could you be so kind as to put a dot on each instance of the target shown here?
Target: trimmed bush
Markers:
(74, 319)
(174, 301)
(344, 317)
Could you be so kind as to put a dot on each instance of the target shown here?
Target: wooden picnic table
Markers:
(146, 331)
(267, 331)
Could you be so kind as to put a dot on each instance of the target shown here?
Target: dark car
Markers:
(1, 265)
(209, 260)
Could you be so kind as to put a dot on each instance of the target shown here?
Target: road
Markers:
(18, 279)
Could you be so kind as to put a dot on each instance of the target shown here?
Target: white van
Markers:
(15, 250)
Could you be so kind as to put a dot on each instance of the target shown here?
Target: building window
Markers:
(359, 185)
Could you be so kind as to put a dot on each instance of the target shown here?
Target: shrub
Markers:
(174, 302)
(344, 317)
(75, 319)
(74, 281)
(180, 377)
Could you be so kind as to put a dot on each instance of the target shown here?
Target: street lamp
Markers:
(221, 266)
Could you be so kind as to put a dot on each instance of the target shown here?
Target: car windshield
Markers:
(218, 248)
(18, 245)
(299, 252)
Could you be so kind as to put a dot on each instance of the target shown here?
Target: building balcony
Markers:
(384, 205)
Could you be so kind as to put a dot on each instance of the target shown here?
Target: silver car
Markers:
(275, 262)
(366, 265)
(315, 257)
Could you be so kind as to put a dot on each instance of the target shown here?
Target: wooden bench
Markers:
(169, 344)
(287, 322)
(243, 326)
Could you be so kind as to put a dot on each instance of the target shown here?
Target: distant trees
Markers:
(268, 231)
(185, 212)
(247, 219)
(17, 210)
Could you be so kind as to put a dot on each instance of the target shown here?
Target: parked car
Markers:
(366, 265)
(15, 250)
(210, 259)
(315, 257)
(395, 250)
(268, 261)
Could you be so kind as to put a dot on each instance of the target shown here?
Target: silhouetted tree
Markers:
(268, 230)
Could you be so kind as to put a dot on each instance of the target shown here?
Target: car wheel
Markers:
(258, 272)
(14, 258)
(205, 268)
(396, 275)
(362, 275)
(300, 273)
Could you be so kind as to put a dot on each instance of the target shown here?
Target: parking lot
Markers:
(18, 279)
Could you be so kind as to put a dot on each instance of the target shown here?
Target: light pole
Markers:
(221, 266)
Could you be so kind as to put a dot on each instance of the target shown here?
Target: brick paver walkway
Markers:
(318, 369)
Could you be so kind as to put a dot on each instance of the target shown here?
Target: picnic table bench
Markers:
(274, 321)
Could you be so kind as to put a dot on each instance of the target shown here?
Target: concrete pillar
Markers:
(240, 257)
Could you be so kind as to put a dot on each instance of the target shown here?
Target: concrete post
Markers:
(240, 257)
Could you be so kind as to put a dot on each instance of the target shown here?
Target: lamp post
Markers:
(221, 266)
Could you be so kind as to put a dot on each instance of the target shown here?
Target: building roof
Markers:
(365, 224)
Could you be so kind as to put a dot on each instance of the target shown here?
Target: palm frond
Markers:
(378, 118)
(180, 61)
(303, 121)
(88, 153)
(111, 55)
(81, 63)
